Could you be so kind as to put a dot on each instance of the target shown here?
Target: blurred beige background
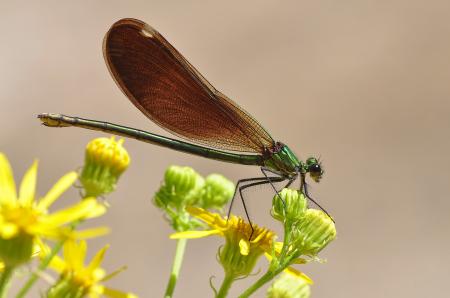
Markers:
(363, 84)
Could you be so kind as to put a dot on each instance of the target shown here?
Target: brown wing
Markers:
(173, 94)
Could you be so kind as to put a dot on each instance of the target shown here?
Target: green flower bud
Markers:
(216, 192)
(182, 180)
(314, 232)
(181, 187)
(105, 161)
(16, 251)
(292, 209)
(289, 286)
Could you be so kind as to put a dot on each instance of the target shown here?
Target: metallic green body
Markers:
(284, 161)
(58, 120)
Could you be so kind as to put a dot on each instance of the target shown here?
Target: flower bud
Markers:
(180, 188)
(216, 192)
(289, 204)
(289, 286)
(105, 161)
(314, 232)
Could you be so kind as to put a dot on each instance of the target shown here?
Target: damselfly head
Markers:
(314, 168)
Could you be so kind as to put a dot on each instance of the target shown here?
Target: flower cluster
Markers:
(184, 187)
(30, 232)
(27, 226)
(306, 233)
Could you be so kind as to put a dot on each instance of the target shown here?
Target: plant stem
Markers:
(286, 240)
(268, 276)
(42, 266)
(226, 285)
(178, 259)
(5, 281)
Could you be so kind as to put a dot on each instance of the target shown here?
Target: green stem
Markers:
(42, 266)
(226, 285)
(286, 240)
(5, 281)
(268, 276)
(178, 259)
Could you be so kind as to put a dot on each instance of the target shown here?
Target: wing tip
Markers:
(135, 23)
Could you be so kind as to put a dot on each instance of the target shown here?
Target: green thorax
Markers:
(281, 159)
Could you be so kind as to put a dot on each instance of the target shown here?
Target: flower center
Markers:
(20, 216)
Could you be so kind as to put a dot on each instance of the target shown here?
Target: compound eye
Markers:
(315, 171)
(315, 168)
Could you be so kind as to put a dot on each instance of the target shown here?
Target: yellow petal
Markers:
(244, 247)
(117, 294)
(194, 234)
(91, 233)
(113, 274)
(69, 253)
(55, 192)
(57, 264)
(97, 274)
(208, 217)
(36, 250)
(93, 294)
(43, 248)
(7, 185)
(74, 254)
(98, 211)
(299, 274)
(80, 210)
(8, 230)
(28, 185)
(97, 259)
(49, 231)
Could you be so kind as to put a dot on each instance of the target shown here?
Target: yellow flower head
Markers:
(240, 253)
(23, 220)
(105, 161)
(80, 280)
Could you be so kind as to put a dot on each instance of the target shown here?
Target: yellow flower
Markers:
(23, 219)
(239, 249)
(80, 280)
(239, 254)
(235, 229)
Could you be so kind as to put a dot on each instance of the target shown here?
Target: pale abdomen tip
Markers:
(52, 120)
